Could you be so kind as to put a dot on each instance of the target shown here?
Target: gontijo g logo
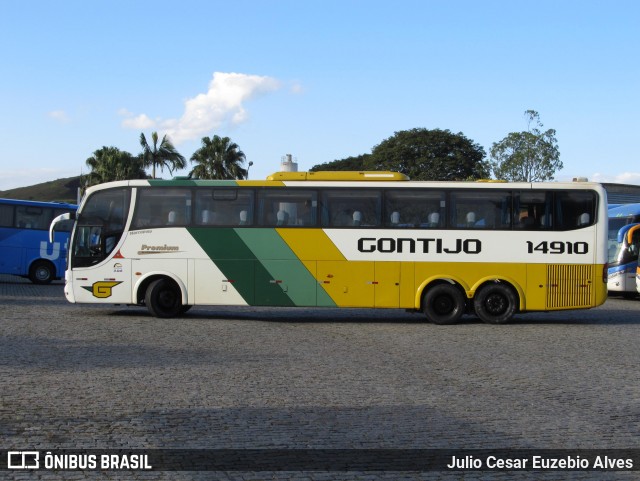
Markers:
(102, 289)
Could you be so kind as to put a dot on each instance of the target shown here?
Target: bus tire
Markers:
(185, 309)
(42, 272)
(163, 298)
(444, 304)
(495, 303)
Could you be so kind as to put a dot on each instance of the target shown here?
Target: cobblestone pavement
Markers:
(75, 376)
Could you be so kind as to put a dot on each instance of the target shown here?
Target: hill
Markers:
(61, 190)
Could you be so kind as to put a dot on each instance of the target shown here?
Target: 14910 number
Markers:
(558, 247)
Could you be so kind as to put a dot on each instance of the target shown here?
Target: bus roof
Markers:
(344, 175)
(347, 179)
(37, 203)
(625, 210)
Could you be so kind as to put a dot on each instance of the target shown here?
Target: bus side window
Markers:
(411, 208)
(532, 210)
(287, 207)
(6, 215)
(156, 208)
(28, 217)
(224, 207)
(353, 208)
(481, 210)
(575, 209)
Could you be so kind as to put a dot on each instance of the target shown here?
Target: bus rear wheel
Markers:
(41, 272)
(443, 304)
(495, 303)
(163, 298)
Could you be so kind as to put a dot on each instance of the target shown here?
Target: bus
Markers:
(623, 253)
(342, 239)
(24, 249)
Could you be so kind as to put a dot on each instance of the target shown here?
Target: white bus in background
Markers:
(624, 236)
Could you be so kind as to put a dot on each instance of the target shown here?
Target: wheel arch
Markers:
(434, 280)
(510, 282)
(141, 285)
(39, 261)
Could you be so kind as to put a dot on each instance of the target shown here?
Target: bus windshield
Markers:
(100, 225)
(622, 255)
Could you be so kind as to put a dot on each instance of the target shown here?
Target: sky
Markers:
(320, 80)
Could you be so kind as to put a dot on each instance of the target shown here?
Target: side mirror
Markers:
(60, 218)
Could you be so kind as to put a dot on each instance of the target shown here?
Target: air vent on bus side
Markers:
(569, 286)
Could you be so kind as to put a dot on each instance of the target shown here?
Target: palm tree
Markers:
(218, 158)
(164, 155)
(111, 163)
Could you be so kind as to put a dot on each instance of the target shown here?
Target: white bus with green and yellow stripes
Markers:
(342, 239)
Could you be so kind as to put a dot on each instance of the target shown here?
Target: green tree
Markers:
(360, 162)
(430, 155)
(163, 155)
(110, 163)
(218, 158)
(530, 156)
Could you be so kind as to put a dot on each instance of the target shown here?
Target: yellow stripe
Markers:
(338, 176)
(260, 183)
(311, 244)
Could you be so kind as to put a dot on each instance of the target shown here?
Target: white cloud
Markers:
(296, 88)
(222, 103)
(139, 122)
(59, 115)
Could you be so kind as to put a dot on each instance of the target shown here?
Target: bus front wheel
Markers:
(163, 298)
(41, 272)
(444, 304)
(495, 303)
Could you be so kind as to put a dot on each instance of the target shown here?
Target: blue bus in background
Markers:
(623, 246)
(25, 249)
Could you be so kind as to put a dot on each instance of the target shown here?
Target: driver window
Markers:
(88, 243)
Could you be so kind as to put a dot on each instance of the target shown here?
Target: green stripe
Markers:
(264, 268)
(282, 265)
(322, 298)
(222, 243)
(266, 244)
(231, 255)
